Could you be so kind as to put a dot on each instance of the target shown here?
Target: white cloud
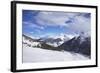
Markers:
(79, 22)
(53, 18)
(32, 25)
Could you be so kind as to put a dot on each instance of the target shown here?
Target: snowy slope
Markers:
(55, 44)
(41, 55)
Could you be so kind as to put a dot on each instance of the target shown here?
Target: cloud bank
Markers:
(71, 21)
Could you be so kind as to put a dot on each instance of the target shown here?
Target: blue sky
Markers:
(51, 23)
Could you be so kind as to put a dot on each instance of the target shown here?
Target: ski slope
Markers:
(42, 55)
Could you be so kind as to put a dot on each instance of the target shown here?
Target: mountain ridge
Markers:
(77, 44)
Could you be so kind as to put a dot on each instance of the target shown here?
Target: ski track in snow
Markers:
(42, 55)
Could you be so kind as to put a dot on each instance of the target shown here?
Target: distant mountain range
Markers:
(55, 42)
(52, 41)
(77, 44)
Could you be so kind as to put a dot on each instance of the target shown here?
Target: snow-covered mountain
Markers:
(40, 50)
(52, 41)
(31, 42)
(79, 44)
(55, 41)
